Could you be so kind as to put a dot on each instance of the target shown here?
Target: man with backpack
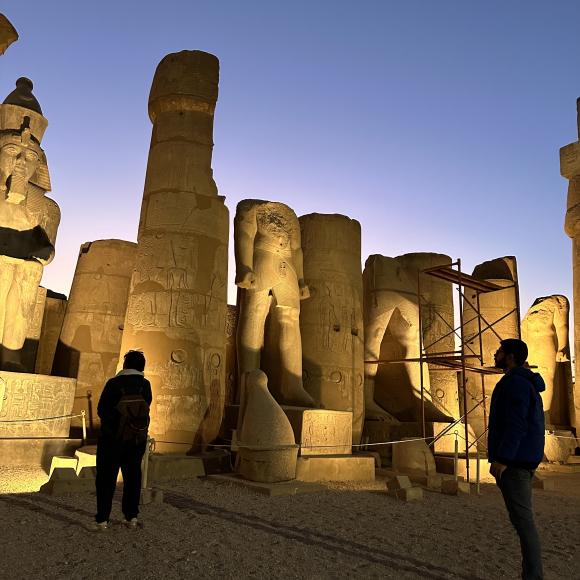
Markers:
(124, 412)
(515, 445)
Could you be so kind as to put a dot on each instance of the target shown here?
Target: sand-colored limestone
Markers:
(391, 313)
(331, 320)
(231, 397)
(570, 169)
(413, 456)
(545, 329)
(90, 339)
(178, 292)
(269, 273)
(29, 351)
(28, 219)
(52, 320)
(267, 448)
(499, 320)
(24, 397)
(8, 34)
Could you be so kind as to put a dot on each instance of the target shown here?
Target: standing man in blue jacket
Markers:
(516, 445)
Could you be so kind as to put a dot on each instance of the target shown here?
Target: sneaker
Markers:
(100, 526)
(132, 523)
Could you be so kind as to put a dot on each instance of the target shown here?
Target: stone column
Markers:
(177, 301)
(498, 309)
(570, 169)
(90, 339)
(331, 320)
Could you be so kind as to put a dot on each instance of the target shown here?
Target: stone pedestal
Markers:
(331, 320)
(178, 291)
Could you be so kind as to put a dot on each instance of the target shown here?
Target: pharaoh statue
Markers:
(28, 219)
(269, 273)
(545, 331)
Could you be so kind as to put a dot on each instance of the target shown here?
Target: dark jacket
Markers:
(516, 420)
(132, 384)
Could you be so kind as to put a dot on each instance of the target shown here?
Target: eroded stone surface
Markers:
(178, 292)
(331, 320)
(28, 219)
(90, 339)
(52, 320)
(545, 331)
(8, 34)
(269, 273)
(24, 397)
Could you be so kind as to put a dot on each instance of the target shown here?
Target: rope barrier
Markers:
(41, 419)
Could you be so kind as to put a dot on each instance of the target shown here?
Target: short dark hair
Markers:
(134, 359)
(516, 347)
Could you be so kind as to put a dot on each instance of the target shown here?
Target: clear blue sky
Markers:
(436, 124)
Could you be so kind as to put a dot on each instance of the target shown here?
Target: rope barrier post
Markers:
(477, 471)
(456, 457)
(84, 419)
(146, 463)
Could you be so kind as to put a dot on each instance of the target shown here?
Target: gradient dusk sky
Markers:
(435, 123)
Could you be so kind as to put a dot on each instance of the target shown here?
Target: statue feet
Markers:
(13, 367)
(373, 412)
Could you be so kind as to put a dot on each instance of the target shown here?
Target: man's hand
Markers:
(497, 469)
(246, 278)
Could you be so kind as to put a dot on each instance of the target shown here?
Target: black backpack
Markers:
(133, 417)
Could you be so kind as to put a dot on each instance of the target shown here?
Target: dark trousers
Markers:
(516, 487)
(112, 456)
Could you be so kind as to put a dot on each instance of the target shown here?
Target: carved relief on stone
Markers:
(25, 396)
(177, 298)
(545, 329)
(90, 338)
(269, 273)
(331, 320)
(28, 219)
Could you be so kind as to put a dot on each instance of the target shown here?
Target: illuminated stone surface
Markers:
(391, 313)
(413, 456)
(28, 219)
(545, 329)
(90, 339)
(331, 320)
(267, 447)
(269, 273)
(25, 397)
(8, 34)
(570, 169)
(177, 300)
(498, 310)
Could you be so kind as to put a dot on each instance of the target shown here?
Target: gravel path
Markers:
(214, 530)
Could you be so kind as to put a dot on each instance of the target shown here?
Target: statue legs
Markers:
(291, 387)
(19, 281)
(254, 307)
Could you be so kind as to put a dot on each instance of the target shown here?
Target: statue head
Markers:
(22, 160)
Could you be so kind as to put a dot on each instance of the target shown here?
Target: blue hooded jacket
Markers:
(516, 420)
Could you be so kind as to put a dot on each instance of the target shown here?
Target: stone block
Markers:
(410, 494)
(453, 487)
(283, 488)
(60, 462)
(35, 452)
(399, 482)
(413, 456)
(268, 465)
(542, 482)
(570, 160)
(64, 480)
(86, 457)
(335, 468)
(321, 431)
(573, 460)
(150, 495)
(168, 467)
(431, 481)
(559, 446)
(87, 472)
(26, 396)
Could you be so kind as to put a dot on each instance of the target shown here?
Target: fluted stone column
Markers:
(570, 169)
(331, 320)
(90, 339)
(177, 302)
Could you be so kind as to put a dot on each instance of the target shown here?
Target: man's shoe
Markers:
(100, 526)
(133, 523)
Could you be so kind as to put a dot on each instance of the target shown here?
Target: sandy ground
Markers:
(214, 530)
